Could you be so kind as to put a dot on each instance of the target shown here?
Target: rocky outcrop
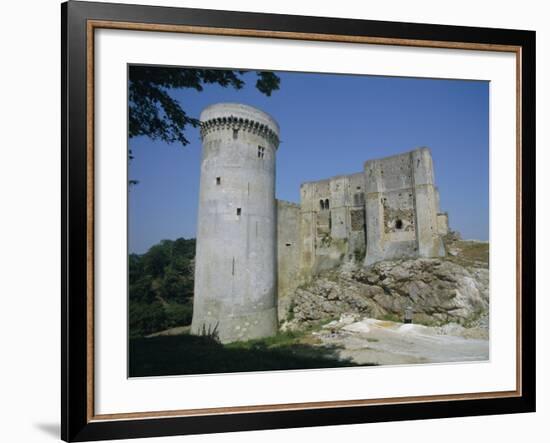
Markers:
(438, 291)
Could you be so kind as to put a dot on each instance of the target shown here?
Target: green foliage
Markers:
(358, 255)
(161, 287)
(178, 314)
(153, 112)
(211, 332)
(287, 338)
(392, 317)
(326, 240)
(146, 318)
(291, 314)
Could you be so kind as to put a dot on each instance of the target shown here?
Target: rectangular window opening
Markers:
(238, 211)
(218, 180)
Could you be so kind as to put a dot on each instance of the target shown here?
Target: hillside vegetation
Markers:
(161, 287)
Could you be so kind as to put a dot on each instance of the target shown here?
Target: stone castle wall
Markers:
(253, 251)
(391, 210)
(288, 251)
(402, 206)
(332, 222)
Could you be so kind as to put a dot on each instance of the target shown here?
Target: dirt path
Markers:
(390, 343)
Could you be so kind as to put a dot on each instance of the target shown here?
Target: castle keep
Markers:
(253, 250)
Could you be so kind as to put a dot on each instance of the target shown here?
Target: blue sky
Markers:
(330, 125)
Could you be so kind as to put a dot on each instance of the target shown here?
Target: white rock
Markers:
(359, 327)
(347, 319)
(410, 328)
(332, 324)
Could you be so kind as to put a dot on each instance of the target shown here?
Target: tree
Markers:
(154, 113)
(160, 284)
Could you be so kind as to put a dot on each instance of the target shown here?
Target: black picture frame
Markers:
(77, 424)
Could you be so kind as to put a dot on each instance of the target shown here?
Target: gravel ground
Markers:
(391, 343)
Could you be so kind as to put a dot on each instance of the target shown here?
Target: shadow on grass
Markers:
(189, 354)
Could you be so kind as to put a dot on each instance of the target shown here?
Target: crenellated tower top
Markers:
(239, 117)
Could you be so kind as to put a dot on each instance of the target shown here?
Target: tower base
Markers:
(239, 327)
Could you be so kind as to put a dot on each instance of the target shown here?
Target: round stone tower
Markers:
(236, 259)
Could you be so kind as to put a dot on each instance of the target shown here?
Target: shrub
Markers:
(145, 318)
(178, 314)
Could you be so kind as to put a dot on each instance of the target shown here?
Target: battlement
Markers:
(238, 117)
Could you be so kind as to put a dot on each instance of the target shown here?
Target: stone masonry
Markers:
(253, 250)
(236, 257)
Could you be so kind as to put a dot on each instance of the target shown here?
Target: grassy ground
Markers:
(476, 251)
(468, 252)
(188, 354)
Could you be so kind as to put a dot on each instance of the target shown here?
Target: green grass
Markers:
(189, 354)
(392, 317)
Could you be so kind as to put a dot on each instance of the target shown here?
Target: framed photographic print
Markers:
(277, 221)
